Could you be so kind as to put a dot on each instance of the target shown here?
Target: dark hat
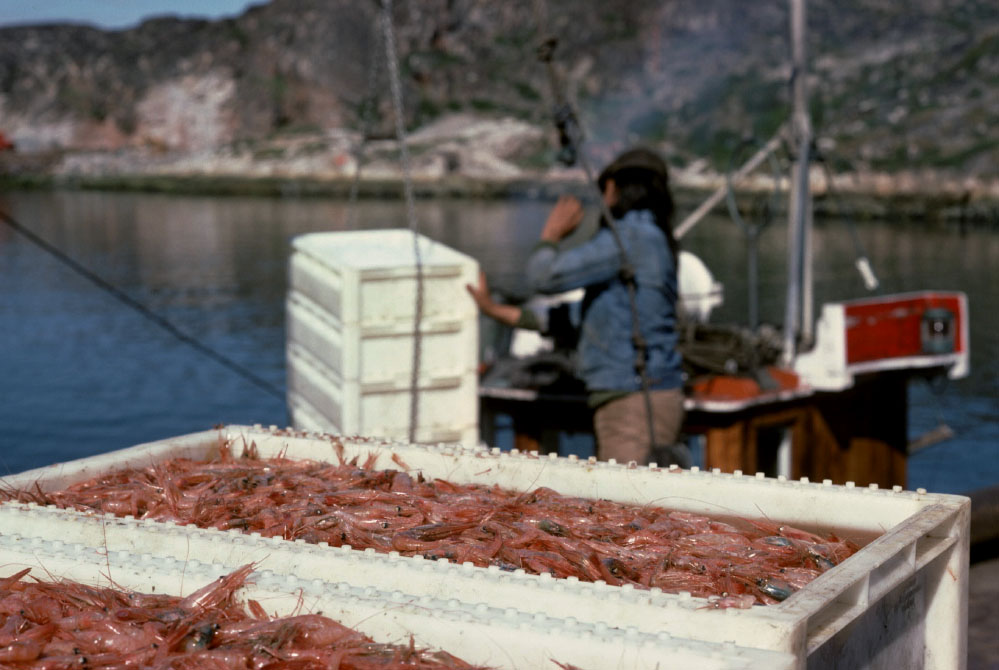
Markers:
(637, 158)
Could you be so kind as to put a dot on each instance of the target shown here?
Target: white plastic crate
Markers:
(384, 354)
(447, 410)
(369, 277)
(498, 638)
(306, 417)
(899, 602)
(350, 336)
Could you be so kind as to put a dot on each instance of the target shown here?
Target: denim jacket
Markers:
(606, 351)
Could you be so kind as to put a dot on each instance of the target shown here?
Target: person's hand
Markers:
(508, 314)
(480, 294)
(563, 219)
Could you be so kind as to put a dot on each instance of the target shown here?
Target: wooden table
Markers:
(858, 434)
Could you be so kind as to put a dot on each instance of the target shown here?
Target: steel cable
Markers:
(141, 309)
(369, 108)
(400, 134)
(572, 141)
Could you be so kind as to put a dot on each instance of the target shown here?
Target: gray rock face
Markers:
(896, 86)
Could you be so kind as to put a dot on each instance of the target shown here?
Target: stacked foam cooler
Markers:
(351, 327)
(901, 601)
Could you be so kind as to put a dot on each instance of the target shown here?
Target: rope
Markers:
(705, 207)
(400, 135)
(863, 264)
(752, 231)
(144, 311)
(572, 144)
(563, 114)
(369, 106)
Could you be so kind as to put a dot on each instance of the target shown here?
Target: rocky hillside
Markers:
(907, 88)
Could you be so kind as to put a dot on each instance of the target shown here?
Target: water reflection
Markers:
(81, 374)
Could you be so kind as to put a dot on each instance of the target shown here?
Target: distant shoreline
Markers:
(946, 208)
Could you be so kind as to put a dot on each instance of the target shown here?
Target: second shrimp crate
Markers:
(899, 601)
(141, 610)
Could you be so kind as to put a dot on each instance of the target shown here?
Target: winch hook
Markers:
(563, 115)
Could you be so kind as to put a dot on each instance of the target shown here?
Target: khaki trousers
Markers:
(622, 429)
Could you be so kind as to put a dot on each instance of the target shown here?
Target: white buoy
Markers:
(699, 292)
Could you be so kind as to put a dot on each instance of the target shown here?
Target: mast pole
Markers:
(807, 322)
(800, 199)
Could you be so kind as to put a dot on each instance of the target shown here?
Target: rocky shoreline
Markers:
(467, 158)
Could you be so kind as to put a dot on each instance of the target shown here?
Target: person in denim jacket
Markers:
(635, 187)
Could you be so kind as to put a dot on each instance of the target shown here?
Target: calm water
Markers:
(82, 374)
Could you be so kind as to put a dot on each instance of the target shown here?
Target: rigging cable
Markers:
(400, 135)
(143, 310)
(752, 232)
(367, 113)
(572, 142)
(863, 264)
(562, 112)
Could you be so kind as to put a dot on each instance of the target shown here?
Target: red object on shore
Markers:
(5, 144)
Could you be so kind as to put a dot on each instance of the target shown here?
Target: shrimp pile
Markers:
(742, 562)
(63, 625)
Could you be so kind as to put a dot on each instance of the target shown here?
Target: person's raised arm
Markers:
(563, 219)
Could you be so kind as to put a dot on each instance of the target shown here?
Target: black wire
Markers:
(123, 297)
(846, 214)
(572, 141)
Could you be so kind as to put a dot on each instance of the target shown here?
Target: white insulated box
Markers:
(369, 277)
(901, 601)
(446, 411)
(350, 325)
(381, 356)
(504, 639)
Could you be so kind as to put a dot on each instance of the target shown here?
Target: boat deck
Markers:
(855, 435)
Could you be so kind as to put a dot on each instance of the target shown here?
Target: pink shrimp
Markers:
(7, 582)
(14, 603)
(109, 636)
(437, 531)
(313, 631)
(398, 510)
(208, 629)
(43, 609)
(834, 553)
(256, 609)
(742, 601)
(20, 651)
(681, 580)
(397, 459)
(798, 578)
(771, 528)
(26, 630)
(218, 591)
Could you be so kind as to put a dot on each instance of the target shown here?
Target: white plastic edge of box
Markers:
(477, 633)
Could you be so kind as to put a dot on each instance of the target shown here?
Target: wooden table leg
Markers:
(724, 447)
